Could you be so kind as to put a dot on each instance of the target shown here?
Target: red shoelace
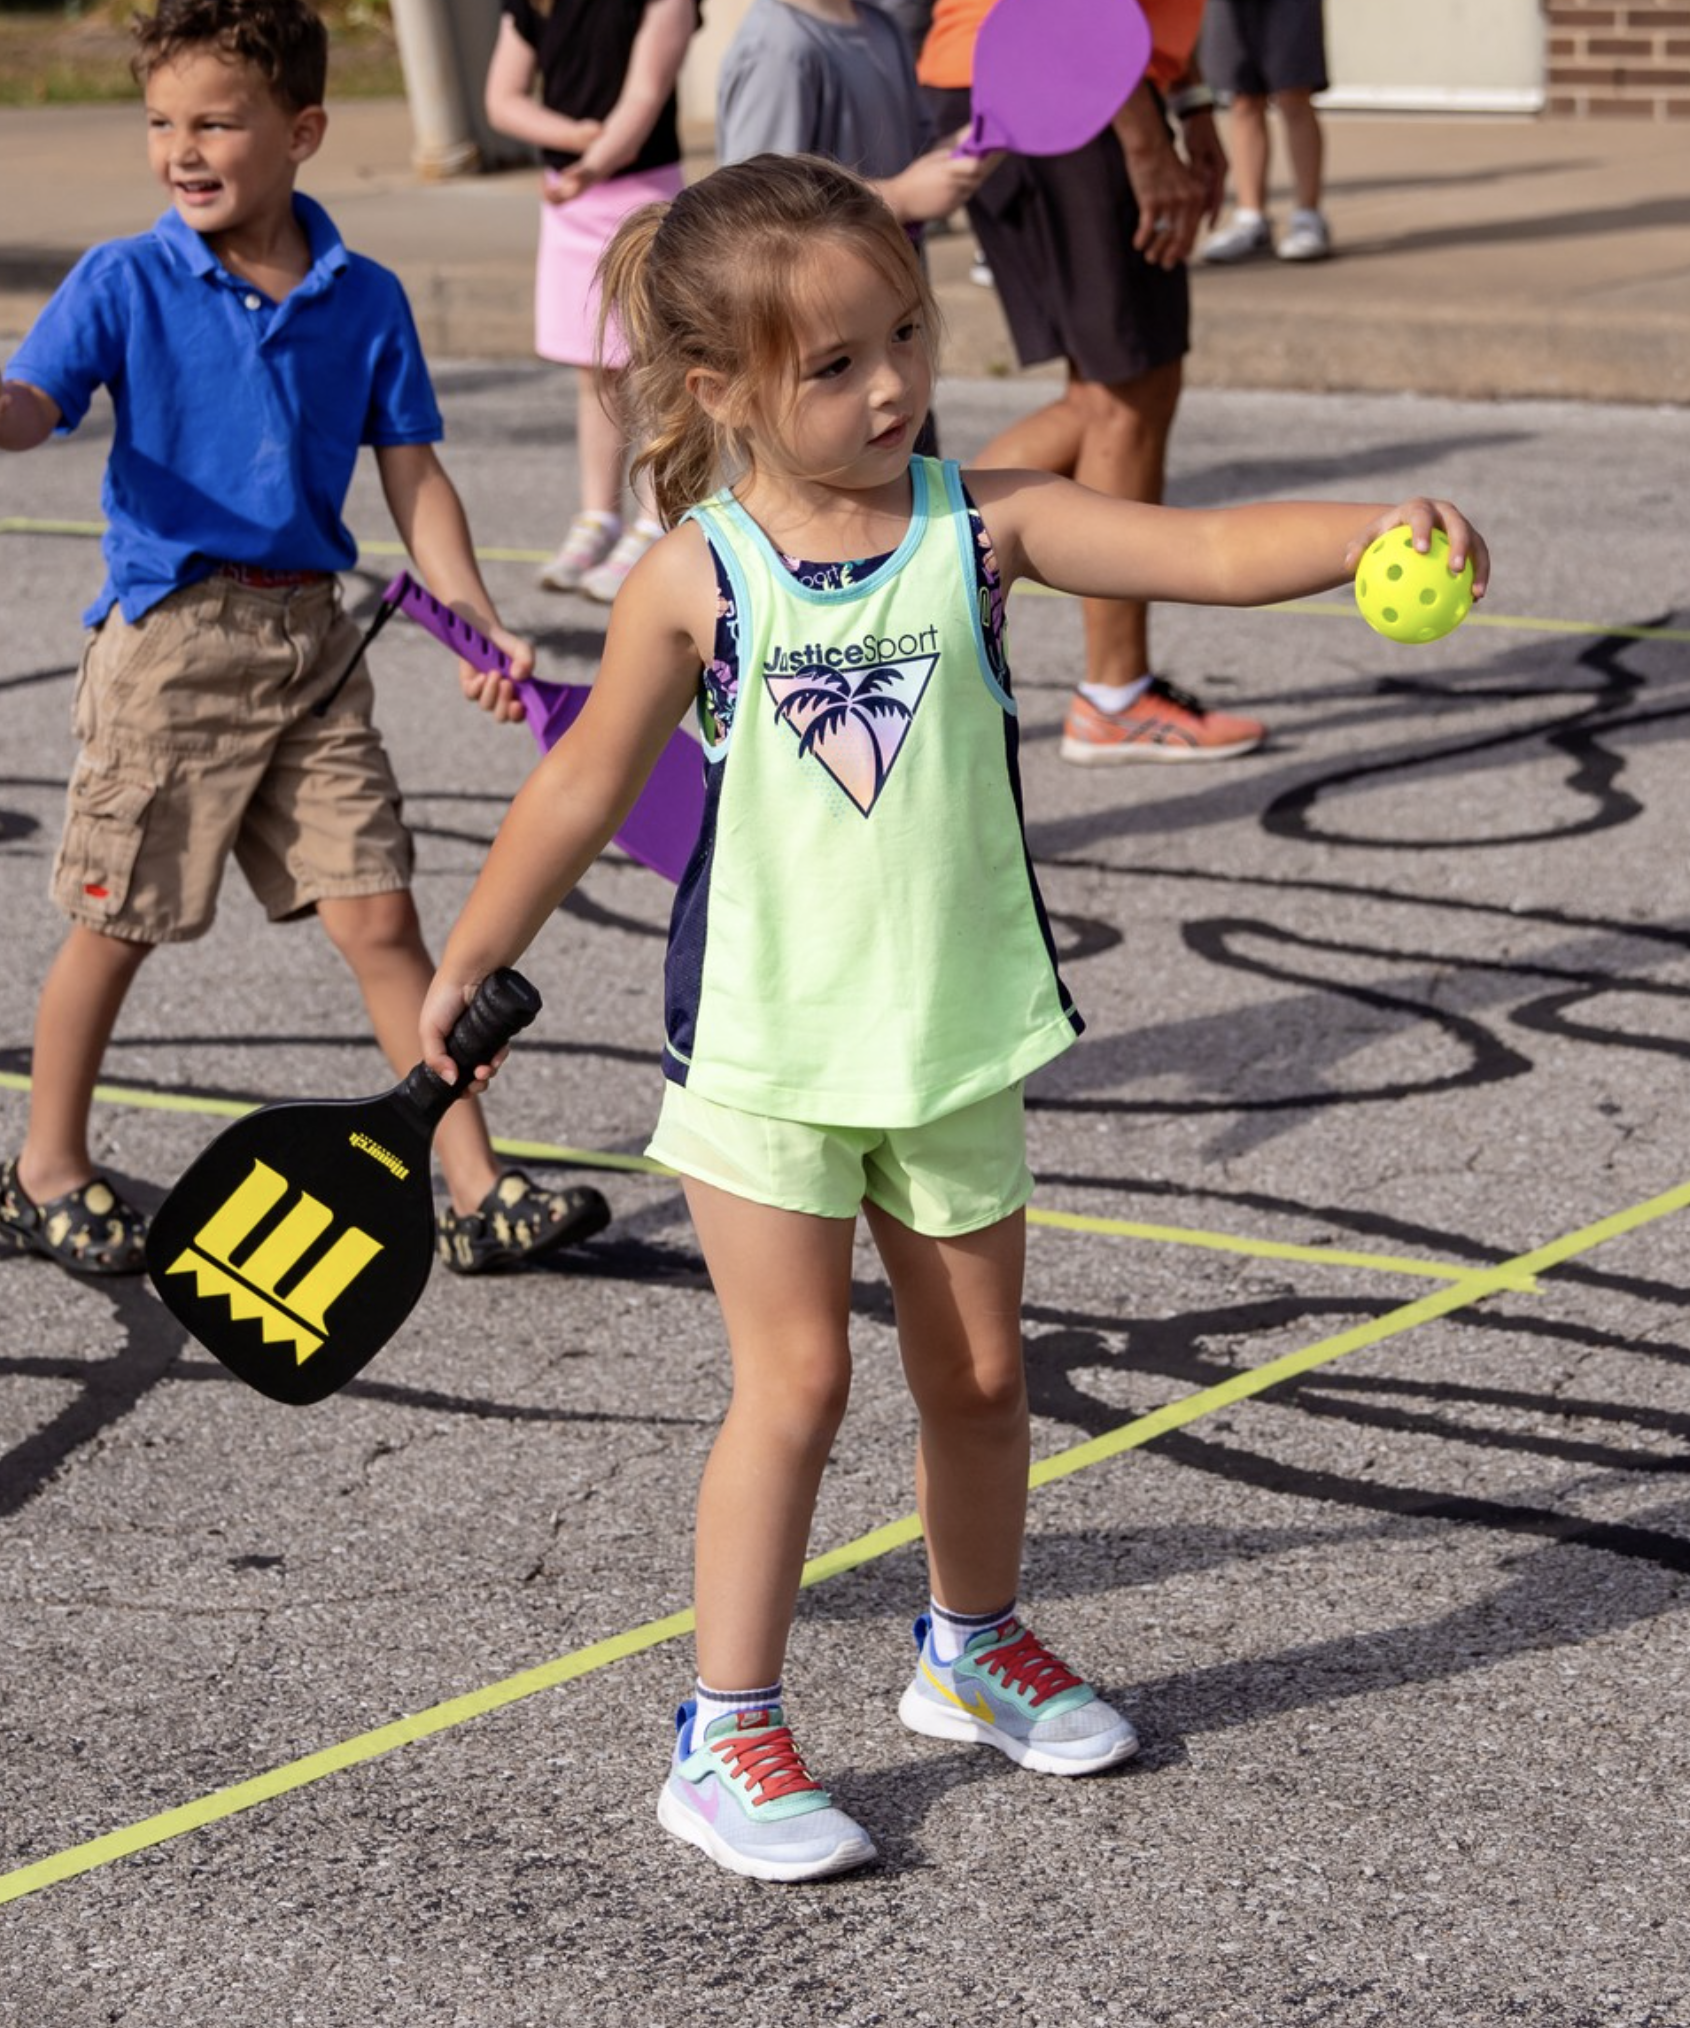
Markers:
(768, 1762)
(1027, 1664)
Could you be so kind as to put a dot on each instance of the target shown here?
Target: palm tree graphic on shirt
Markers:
(853, 721)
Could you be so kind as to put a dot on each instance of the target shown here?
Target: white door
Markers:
(1436, 55)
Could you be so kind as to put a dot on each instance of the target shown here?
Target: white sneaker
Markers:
(743, 1795)
(606, 579)
(1006, 1689)
(590, 540)
(1306, 238)
(1246, 236)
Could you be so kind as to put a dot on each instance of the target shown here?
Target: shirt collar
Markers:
(328, 252)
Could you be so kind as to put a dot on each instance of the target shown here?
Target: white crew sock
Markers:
(714, 1704)
(951, 1632)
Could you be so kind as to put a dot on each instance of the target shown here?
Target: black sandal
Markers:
(91, 1230)
(517, 1222)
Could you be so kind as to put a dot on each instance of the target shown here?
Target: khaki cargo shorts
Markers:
(198, 740)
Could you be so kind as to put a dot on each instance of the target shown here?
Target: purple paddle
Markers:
(1049, 75)
(662, 827)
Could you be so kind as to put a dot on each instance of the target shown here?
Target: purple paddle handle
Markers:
(662, 827)
(468, 643)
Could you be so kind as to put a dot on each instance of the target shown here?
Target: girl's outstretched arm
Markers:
(572, 804)
(1065, 536)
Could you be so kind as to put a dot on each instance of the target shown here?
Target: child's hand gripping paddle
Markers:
(662, 827)
(1049, 75)
(299, 1241)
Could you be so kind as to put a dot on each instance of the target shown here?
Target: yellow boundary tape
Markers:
(23, 524)
(1066, 1221)
(367, 1746)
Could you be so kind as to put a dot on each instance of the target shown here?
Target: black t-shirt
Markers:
(582, 49)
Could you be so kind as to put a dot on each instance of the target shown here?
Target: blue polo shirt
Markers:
(238, 420)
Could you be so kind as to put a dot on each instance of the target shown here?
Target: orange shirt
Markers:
(947, 56)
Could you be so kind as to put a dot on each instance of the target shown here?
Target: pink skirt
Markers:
(572, 237)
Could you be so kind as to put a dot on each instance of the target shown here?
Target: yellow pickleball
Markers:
(1409, 596)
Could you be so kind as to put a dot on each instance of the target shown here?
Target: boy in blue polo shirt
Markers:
(248, 356)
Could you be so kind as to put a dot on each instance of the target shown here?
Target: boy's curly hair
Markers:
(283, 40)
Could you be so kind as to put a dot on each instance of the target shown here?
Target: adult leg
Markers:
(1113, 438)
(958, 1305)
(1047, 440)
(783, 1279)
(1245, 234)
(1247, 134)
(1304, 144)
(1306, 237)
(1123, 452)
(81, 998)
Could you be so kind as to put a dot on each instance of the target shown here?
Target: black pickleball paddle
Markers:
(298, 1242)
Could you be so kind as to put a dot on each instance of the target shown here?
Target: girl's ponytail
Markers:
(679, 449)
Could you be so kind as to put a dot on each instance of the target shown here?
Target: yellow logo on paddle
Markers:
(251, 1290)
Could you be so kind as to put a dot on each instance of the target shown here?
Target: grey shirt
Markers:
(791, 84)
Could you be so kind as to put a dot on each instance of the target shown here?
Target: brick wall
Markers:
(1630, 58)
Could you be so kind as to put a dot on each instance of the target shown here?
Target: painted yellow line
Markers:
(23, 524)
(366, 1746)
(879, 1542)
(1274, 1249)
(1254, 1380)
(581, 1158)
(1513, 621)
(643, 1165)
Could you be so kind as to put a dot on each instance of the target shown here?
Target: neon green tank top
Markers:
(860, 939)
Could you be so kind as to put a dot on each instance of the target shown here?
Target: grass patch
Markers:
(50, 56)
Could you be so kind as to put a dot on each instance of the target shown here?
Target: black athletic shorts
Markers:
(1264, 46)
(1057, 235)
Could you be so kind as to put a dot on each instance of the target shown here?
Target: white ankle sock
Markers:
(1115, 696)
(714, 1704)
(951, 1632)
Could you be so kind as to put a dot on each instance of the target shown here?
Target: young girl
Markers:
(607, 123)
(860, 972)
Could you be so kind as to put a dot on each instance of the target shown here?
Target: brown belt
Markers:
(271, 580)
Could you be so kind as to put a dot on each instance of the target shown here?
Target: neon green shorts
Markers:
(949, 1176)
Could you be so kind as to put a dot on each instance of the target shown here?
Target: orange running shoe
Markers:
(1162, 724)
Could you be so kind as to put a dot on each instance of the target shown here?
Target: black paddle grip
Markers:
(503, 1006)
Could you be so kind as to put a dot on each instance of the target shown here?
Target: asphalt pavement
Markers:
(1355, 1331)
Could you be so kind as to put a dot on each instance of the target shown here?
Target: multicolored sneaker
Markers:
(1161, 724)
(743, 1795)
(1006, 1689)
(606, 579)
(590, 540)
